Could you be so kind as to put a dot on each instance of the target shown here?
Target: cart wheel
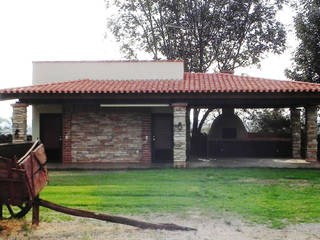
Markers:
(20, 210)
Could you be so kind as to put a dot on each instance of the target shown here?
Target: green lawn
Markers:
(272, 196)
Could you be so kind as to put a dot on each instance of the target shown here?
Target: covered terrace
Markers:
(151, 100)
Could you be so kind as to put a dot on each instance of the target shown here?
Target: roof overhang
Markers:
(240, 100)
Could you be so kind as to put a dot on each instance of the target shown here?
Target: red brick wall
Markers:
(107, 135)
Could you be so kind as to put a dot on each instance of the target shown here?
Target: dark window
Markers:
(229, 133)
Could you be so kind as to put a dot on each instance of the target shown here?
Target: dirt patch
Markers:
(12, 227)
(208, 228)
(298, 182)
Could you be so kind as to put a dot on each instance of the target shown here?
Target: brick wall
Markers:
(107, 135)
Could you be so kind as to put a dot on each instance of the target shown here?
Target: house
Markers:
(136, 111)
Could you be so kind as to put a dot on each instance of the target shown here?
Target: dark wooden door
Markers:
(51, 136)
(162, 138)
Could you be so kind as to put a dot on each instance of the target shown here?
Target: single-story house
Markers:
(137, 111)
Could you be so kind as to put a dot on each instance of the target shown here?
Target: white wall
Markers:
(48, 72)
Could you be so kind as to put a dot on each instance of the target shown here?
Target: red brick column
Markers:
(19, 122)
(312, 130)
(296, 132)
(146, 137)
(66, 132)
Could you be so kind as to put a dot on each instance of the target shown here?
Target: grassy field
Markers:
(275, 197)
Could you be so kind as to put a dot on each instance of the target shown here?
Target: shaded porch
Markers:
(195, 163)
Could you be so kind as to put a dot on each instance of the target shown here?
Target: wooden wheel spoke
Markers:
(21, 207)
(10, 210)
(21, 212)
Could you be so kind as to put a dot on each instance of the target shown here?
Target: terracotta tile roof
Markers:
(192, 83)
(109, 61)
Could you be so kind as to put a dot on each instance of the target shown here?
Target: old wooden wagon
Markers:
(23, 174)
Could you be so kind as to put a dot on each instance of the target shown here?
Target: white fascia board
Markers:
(134, 105)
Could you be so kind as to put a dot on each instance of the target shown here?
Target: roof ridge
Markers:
(191, 83)
(253, 77)
(107, 61)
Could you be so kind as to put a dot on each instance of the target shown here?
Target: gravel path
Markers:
(208, 228)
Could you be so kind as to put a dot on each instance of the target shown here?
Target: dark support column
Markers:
(35, 212)
(296, 132)
(19, 122)
(179, 134)
(311, 131)
(188, 138)
(0, 211)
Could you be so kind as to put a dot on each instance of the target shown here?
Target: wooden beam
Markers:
(109, 218)
(35, 212)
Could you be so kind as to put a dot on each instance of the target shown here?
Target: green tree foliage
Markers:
(272, 121)
(206, 34)
(306, 58)
(5, 126)
(222, 34)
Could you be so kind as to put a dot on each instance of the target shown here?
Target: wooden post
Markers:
(110, 218)
(35, 211)
(0, 211)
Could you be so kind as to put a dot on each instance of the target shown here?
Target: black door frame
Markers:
(61, 131)
(153, 116)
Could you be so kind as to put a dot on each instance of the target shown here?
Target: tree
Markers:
(266, 120)
(306, 58)
(5, 126)
(206, 34)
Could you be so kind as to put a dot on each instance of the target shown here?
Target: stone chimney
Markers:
(227, 71)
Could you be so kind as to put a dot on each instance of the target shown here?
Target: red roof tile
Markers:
(192, 83)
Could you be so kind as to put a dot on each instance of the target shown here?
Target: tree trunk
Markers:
(196, 129)
(204, 119)
(195, 122)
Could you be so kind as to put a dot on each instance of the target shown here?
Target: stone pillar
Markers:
(296, 132)
(19, 122)
(66, 134)
(311, 131)
(179, 134)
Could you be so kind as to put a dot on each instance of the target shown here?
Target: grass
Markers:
(275, 197)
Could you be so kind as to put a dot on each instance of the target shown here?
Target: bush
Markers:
(5, 138)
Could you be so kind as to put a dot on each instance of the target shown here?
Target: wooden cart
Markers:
(23, 174)
(22, 177)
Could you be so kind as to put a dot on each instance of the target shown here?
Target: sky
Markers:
(47, 30)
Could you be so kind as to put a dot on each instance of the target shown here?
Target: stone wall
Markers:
(66, 134)
(312, 129)
(296, 132)
(108, 135)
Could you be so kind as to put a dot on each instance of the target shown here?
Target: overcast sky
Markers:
(36, 30)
